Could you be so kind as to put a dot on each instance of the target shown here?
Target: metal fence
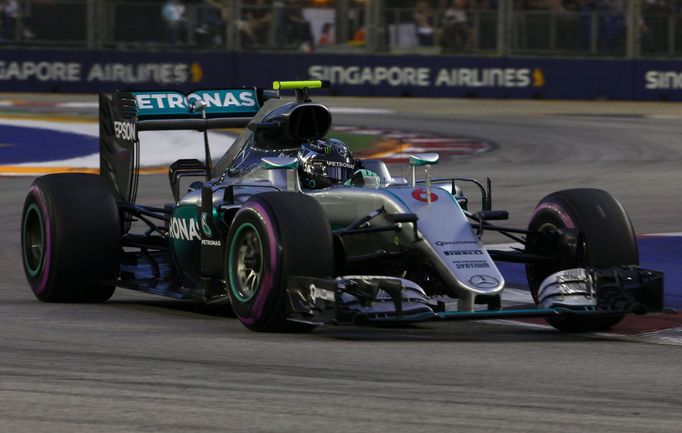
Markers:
(611, 28)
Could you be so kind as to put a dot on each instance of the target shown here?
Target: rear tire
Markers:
(609, 240)
(70, 238)
(273, 236)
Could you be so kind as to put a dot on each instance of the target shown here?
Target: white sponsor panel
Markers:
(186, 229)
(483, 77)
(41, 71)
(222, 99)
(663, 80)
(395, 76)
(124, 130)
(361, 75)
(128, 73)
(162, 73)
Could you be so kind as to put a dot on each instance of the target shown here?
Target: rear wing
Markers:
(228, 108)
(123, 114)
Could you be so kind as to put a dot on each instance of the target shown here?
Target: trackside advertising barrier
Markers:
(36, 70)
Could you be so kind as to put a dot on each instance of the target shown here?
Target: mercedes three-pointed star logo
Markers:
(484, 281)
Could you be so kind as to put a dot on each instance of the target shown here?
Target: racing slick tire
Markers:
(275, 235)
(607, 236)
(70, 238)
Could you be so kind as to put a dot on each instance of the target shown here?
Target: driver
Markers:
(323, 163)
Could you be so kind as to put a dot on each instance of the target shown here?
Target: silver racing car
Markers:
(293, 232)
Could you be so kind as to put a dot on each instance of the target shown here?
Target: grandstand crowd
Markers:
(441, 26)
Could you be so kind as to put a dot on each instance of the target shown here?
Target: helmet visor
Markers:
(335, 172)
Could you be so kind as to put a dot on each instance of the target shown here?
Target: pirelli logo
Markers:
(463, 253)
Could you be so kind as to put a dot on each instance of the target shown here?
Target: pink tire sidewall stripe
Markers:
(269, 278)
(565, 218)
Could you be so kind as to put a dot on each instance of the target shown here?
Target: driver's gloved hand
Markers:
(364, 178)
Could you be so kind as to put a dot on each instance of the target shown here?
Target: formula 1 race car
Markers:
(293, 233)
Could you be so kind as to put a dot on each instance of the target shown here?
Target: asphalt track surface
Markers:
(141, 363)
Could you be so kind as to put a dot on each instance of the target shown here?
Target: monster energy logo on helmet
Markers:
(321, 146)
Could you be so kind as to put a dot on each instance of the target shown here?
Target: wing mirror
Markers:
(426, 160)
(290, 164)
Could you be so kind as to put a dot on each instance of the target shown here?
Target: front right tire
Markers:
(608, 240)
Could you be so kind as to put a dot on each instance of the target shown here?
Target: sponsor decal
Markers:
(128, 73)
(321, 146)
(124, 130)
(484, 281)
(471, 264)
(185, 229)
(41, 71)
(443, 243)
(211, 243)
(463, 253)
(489, 77)
(663, 80)
(204, 225)
(196, 72)
(217, 102)
(340, 164)
(420, 195)
(395, 76)
(361, 75)
(162, 73)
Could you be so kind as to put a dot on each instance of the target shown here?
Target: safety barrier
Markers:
(40, 70)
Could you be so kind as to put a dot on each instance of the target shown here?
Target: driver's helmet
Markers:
(323, 163)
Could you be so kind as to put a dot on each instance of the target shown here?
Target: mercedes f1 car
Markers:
(291, 253)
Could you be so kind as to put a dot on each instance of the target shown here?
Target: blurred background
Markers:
(589, 28)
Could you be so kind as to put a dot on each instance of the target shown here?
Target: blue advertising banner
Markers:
(658, 80)
(42, 70)
(89, 71)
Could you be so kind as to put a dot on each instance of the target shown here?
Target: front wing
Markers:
(384, 300)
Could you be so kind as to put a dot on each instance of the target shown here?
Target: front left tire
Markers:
(274, 236)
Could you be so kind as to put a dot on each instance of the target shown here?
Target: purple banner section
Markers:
(56, 70)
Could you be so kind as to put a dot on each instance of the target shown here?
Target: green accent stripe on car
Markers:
(230, 268)
(33, 272)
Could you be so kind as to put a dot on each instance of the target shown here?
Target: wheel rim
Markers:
(246, 262)
(548, 227)
(33, 240)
